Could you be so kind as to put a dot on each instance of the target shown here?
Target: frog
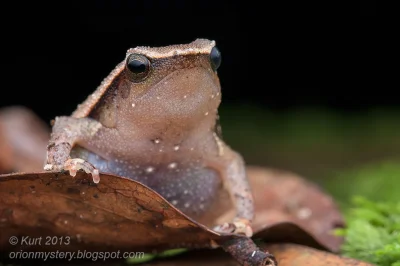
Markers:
(154, 119)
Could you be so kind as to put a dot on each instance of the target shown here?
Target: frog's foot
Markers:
(237, 226)
(73, 166)
(76, 164)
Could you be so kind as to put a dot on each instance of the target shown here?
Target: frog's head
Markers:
(174, 85)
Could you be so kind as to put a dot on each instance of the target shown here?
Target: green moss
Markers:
(373, 215)
(149, 257)
(373, 232)
(146, 258)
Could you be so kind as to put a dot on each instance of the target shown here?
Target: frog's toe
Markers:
(76, 164)
(238, 226)
(225, 228)
(243, 226)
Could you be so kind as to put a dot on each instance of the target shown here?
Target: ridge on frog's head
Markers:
(176, 83)
(199, 46)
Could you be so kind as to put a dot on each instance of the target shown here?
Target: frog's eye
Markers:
(215, 58)
(138, 67)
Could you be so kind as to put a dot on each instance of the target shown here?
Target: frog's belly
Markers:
(191, 188)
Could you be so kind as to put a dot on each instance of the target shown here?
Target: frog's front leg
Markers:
(235, 181)
(66, 133)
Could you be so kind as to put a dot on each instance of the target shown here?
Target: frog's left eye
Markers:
(215, 58)
(138, 67)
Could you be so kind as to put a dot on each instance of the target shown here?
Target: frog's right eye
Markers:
(138, 67)
(215, 58)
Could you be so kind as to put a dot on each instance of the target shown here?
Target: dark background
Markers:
(279, 56)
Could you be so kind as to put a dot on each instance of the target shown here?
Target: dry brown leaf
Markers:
(119, 207)
(296, 255)
(116, 213)
(283, 199)
(23, 140)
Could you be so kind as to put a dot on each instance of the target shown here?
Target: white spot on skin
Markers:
(304, 213)
(133, 105)
(176, 148)
(48, 167)
(185, 96)
(212, 96)
(172, 165)
(174, 202)
(149, 169)
(206, 113)
(158, 97)
(185, 192)
(156, 141)
(201, 206)
(191, 149)
(187, 205)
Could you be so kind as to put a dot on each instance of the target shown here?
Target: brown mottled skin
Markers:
(159, 128)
